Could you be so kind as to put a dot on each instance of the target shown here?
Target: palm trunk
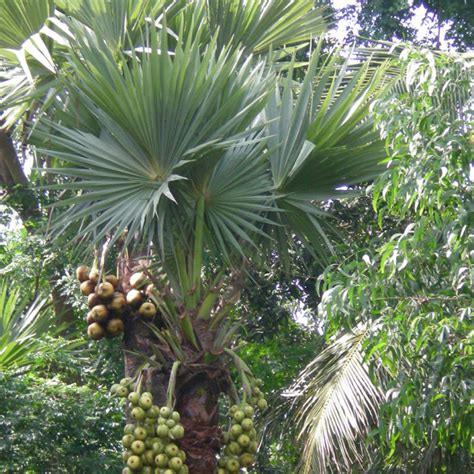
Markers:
(197, 395)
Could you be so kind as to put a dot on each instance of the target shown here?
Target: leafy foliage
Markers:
(48, 425)
(412, 283)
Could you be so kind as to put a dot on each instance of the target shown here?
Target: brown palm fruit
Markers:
(118, 302)
(147, 310)
(90, 318)
(105, 290)
(93, 300)
(134, 298)
(113, 280)
(94, 275)
(137, 280)
(87, 287)
(99, 313)
(115, 326)
(95, 331)
(82, 273)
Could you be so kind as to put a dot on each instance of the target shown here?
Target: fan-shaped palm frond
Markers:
(21, 326)
(323, 140)
(21, 19)
(336, 404)
(259, 25)
(158, 114)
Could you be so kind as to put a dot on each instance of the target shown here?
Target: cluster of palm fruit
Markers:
(149, 441)
(240, 442)
(109, 304)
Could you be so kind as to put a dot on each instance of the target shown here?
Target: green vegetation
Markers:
(272, 238)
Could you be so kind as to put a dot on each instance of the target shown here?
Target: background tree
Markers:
(403, 295)
(390, 20)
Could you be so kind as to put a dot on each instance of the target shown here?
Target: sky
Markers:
(418, 22)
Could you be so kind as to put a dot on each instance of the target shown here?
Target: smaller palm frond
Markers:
(261, 25)
(335, 405)
(21, 19)
(21, 327)
(323, 141)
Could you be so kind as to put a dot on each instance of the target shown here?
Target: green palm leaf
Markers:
(259, 25)
(336, 404)
(21, 19)
(158, 114)
(21, 326)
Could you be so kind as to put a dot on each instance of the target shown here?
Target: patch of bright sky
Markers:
(420, 22)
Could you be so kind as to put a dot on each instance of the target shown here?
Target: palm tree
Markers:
(180, 136)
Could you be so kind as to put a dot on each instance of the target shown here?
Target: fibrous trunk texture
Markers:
(197, 396)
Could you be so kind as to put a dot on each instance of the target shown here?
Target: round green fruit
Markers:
(122, 391)
(175, 416)
(134, 463)
(149, 457)
(140, 433)
(249, 411)
(262, 404)
(126, 381)
(172, 450)
(153, 412)
(162, 431)
(133, 398)
(165, 412)
(253, 447)
(243, 440)
(158, 447)
(235, 448)
(129, 429)
(147, 310)
(145, 402)
(175, 463)
(161, 460)
(236, 430)
(239, 416)
(247, 424)
(127, 441)
(177, 432)
(246, 460)
(233, 465)
(138, 413)
(138, 447)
